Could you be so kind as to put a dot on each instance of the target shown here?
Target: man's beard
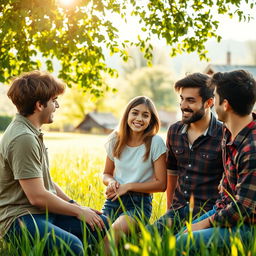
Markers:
(198, 115)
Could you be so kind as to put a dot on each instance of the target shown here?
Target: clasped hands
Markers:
(115, 189)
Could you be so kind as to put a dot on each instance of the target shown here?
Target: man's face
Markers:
(219, 108)
(191, 105)
(46, 116)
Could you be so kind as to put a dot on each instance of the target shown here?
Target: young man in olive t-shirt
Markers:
(26, 190)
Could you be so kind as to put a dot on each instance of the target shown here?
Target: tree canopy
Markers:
(82, 35)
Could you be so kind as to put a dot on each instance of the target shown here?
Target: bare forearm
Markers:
(55, 204)
(107, 178)
(61, 193)
(147, 187)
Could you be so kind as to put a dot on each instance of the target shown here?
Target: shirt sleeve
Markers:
(243, 205)
(157, 147)
(171, 159)
(109, 145)
(24, 156)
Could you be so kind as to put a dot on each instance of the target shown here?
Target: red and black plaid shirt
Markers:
(238, 194)
(199, 168)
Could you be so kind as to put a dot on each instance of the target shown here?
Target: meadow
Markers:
(77, 162)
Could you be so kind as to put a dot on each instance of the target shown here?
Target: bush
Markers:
(4, 122)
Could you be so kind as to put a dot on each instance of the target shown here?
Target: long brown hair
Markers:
(123, 133)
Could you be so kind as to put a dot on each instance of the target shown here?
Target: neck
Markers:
(202, 124)
(236, 123)
(34, 120)
(135, 138)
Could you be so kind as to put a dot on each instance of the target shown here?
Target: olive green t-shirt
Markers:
(22, 156)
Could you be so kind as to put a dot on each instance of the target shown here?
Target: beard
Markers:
(196, 116)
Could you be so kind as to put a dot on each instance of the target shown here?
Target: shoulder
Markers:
(157, 142)
(175, 129)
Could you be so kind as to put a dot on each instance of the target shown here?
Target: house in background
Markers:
(167, 118)
(212, 68)
(98, 122)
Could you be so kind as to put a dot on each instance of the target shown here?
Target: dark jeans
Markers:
(173, 220)
(58, 230)
(134, 204)
(220, 236)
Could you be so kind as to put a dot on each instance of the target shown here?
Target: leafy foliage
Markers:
(80, 36)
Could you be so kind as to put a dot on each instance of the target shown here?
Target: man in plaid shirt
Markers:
(194, 154)
(235, 98)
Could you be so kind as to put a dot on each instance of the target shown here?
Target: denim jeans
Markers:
(58, 229)
(219, 235)
(173, 220)
(133, 204)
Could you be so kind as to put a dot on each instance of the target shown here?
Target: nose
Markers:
(139, 117)
(57, 104)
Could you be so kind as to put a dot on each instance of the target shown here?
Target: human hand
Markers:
(203, 224)
(122, 189)
(112, 187)
(91, 217)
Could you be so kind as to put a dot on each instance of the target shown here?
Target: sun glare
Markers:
(66, 2)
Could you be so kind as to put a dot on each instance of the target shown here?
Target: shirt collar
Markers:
(211, 130)
(242, 134)
(25, 121)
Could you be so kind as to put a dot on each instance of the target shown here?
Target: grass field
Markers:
(77, 162)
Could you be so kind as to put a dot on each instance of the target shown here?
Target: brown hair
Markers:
(123, 132)
(31, 87)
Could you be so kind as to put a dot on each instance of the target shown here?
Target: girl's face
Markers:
(139, 118)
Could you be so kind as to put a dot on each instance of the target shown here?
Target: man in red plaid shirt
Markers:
(235, 210)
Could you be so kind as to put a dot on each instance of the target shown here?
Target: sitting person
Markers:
(135, 167)
(29, 197)
(235, 210)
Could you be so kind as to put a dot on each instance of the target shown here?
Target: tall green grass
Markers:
(77, 163)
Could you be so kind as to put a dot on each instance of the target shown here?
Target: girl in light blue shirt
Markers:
(135, 166)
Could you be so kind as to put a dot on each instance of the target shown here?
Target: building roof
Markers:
(104, 120)
(212, 68)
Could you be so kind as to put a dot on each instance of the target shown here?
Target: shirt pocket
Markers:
(178, 151)
(209, 155)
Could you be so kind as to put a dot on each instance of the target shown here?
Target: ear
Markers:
(39, 106)
(226, 105)
(209, 103)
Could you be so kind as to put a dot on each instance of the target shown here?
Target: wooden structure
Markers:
(98, 122)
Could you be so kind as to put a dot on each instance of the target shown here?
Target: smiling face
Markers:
(46, 116)
(139, 118)
(191, 105)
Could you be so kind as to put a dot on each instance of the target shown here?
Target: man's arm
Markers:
(172, 181)
(61, 193)
(42, 198)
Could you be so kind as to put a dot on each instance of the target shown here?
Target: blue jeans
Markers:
(219, 235)
(173, 220)
(134, 204)
(57, 229)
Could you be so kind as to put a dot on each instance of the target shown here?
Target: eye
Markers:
(145, 115)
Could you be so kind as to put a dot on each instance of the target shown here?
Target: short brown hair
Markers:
(31, 87)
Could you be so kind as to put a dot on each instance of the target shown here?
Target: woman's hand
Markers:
(112, 187)
(121, 190)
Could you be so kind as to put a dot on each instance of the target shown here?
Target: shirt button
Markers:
(186, 177)
(187, 202)
(189, 165)
(185, 192)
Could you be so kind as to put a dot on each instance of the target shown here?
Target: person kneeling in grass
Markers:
(235, 210)
(135, 167)
(29, 197)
